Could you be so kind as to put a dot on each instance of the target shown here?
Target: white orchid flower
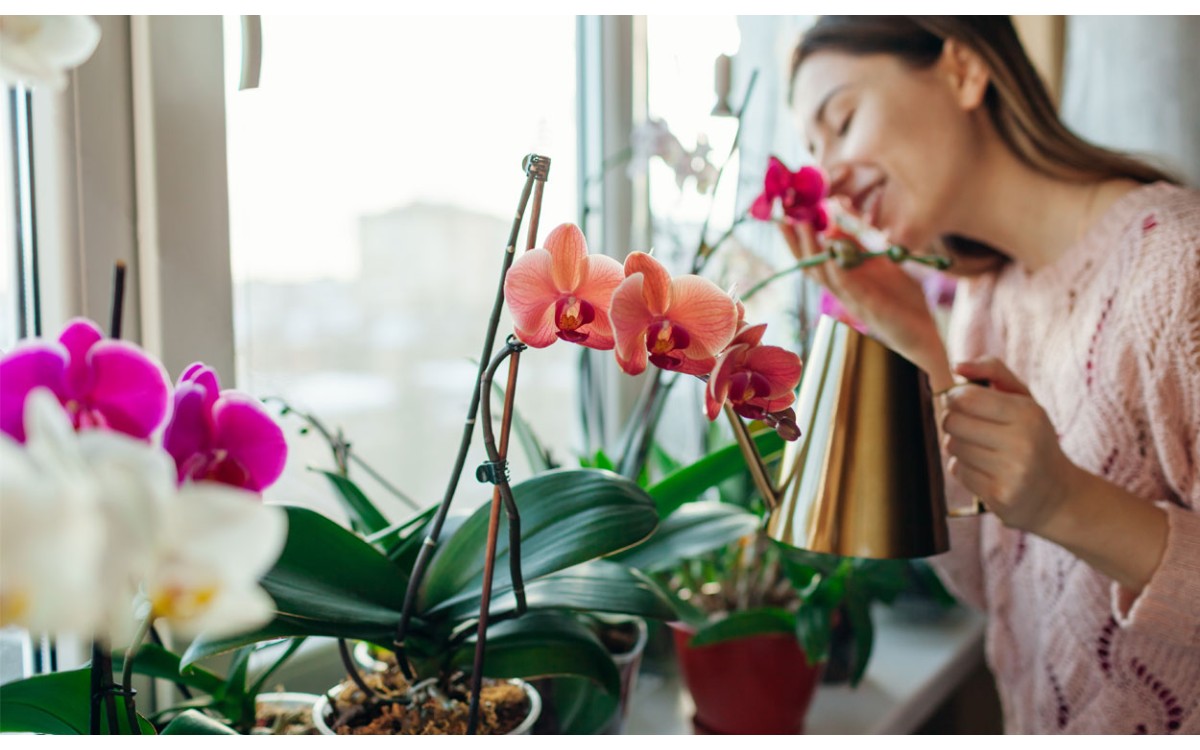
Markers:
(210, 552)
(51, 530)
(39, 50)
(97, 518)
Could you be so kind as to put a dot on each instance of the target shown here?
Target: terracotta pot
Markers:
(756, 685)
(321, 709)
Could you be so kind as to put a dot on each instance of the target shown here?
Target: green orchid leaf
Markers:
(292, 647)
(814, 630)
(568, 516)
(364, 516)
(745, 624)
(544, 644)
(598, 586)
(57, 703)
(692, 530)
(153, 660)
(194, 722)
(690, 482)
(363, 629)
(580, 706)
(857, 609)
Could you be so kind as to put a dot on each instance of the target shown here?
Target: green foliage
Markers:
(329, 581)
(57, 703)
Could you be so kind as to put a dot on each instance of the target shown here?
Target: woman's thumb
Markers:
(995, 372)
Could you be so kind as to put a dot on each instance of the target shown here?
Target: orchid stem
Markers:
(501, 495)
(118, 299)
(127, 672)
(537, 169)
(701, 256)
(754, 460)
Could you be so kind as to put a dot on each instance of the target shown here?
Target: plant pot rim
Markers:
(286, 697)
(321, 707)
(643, 635)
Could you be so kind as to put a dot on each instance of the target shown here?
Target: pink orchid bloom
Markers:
(755, 379)
(222, 436)
(679, 324)
(801, 194)
(561, 292)
(939, 289)
(101, 383)
(832, 306)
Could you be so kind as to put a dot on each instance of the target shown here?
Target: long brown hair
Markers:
(1016, 100)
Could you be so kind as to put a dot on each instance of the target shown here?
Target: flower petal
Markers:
(657, 288)
(188, 436)
(748, 335)
(567, 248)
(37, 364)
(129, 389)
(242, 426)
(717, 390)
(708, 314)
(630, 317)
(204, 376)
(780, 367)
(810, 185)
(79, 336)
(600, 278)
(777, 178)
(531, 293)
(761, 208)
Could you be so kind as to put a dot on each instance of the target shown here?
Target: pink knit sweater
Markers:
(1108, 340)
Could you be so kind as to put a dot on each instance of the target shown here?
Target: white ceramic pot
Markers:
(321, 709)
(299, 701)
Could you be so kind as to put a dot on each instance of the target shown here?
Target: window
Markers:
(373, 176)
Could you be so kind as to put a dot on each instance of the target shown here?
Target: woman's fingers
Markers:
(803, 243)
(979, 458)
(982, 402)
(971, 429)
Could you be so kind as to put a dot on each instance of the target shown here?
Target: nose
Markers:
(839, 174)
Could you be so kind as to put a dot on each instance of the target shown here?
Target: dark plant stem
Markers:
(704, 251)
(343, 455)
(127, 674)
(754, 459)
(501, 494)
(352, 670)
(118, 299)
(537, 169)
(158, 641)
(101, 690)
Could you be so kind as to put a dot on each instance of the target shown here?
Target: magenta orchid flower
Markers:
(678, 324)
(801, 193)
(101, 383)
(222, 436)
(755, 379)
(561, 292)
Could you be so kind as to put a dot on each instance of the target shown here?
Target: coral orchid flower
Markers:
(679, 324)
(100, 382)
(222, 436)
(755, 379)
(561, 292)
(801, 194)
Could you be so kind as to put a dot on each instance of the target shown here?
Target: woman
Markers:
(1080, 308)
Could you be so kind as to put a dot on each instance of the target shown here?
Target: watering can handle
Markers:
(976, 508)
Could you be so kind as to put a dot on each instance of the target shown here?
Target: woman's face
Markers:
(897, 142)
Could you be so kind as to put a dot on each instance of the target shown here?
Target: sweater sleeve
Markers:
(971, 334)
(1168, 607)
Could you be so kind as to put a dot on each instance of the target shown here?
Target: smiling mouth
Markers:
(870, 205)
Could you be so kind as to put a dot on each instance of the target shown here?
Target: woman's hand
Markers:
(884, 297)
(1003, 448)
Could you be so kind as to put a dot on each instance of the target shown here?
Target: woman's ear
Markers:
(965, 72)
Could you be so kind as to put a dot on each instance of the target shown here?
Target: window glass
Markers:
(9, 298)
(373, 177)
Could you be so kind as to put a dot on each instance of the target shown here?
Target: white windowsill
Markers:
(914, 667)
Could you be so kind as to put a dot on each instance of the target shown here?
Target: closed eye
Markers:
(841, 132)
